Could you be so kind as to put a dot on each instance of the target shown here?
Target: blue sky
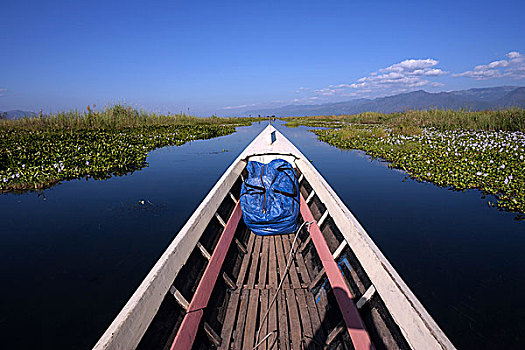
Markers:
(212, 56)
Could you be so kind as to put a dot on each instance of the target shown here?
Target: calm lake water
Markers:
(71, 258)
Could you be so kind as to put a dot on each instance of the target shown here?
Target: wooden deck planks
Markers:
(231, 312)
(303, 271)
(293, 317)
(239, 327)
(229, 320)
(272, 319)
(272, 264)
(284, 339)
(293, 321)
(252, 276)
(306, 321)
(263, 323)
(251, 320)
(315, 319)
(246, 261)
(293, 272)
(263, 269)
(281, 261)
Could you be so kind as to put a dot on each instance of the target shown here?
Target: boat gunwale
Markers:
(415, 323)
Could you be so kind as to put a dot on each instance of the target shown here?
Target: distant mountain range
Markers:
(17, 114)
(472, 99)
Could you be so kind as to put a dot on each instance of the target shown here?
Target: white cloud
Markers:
(513, 67)
(410, 65)
(240, 106)
(402, 76)
(302, 89)
(2, 92)
(326, 91)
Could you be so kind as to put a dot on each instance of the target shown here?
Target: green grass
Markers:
(114, 118)
(39, 152)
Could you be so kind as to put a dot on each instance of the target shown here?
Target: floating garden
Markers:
(39, 152)
(444, 153)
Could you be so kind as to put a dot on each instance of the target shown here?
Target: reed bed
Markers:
(512, 119)
(115, 117)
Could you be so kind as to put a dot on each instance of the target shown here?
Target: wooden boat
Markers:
(220, 286)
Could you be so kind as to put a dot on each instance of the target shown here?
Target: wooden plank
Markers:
(315, 320)
(272, 319)
(334, 333)
(310, 196)
(354, 323)
(251, 320)
(293, 272)
(318, 278)
(281, 261)
(241, 320)
(305, 277)
(323, 218)
(284, 339)
(272, 264)
(366, 297)
(263, 324)
(306, 322)
(203, 251)
(229, 282)
(233, 305)
(183, 303)
(212, 335)
(229, 319)
(188, 329)
(246, 261)
(305, 244)
(263, 269)
(313, 311)
(339, 249)
(221, 221)
(252, 275)
(241, 246)
(295, 322)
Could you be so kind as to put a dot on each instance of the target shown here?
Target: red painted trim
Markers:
(354, 323)
(188, 329)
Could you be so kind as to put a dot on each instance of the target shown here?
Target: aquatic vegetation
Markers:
(37, 153)
(512, 119)
(491, 161)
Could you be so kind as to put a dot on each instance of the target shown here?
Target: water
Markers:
(70, 259)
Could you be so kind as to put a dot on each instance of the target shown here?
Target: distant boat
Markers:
(220, 286)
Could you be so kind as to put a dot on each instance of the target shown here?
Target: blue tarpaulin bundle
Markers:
(270, 198)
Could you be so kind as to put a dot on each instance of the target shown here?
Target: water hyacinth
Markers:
(491, 161)
(36, 154)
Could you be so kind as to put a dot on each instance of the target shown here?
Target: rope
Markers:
(290, 259)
